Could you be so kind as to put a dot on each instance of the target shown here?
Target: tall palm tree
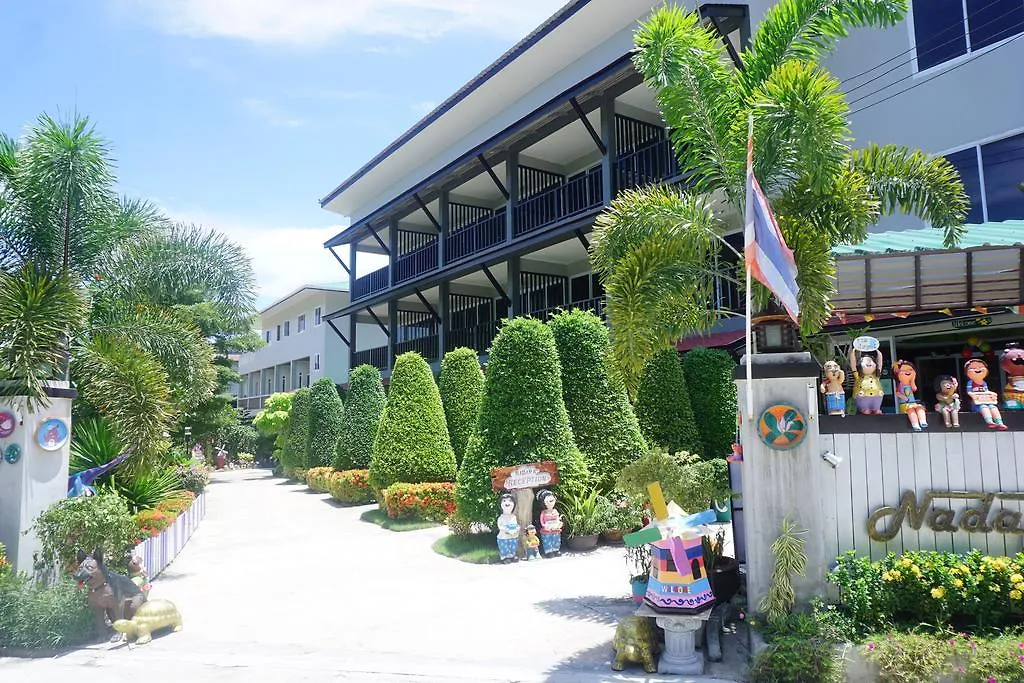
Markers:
(656, 248)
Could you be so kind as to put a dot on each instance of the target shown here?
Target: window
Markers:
(996, 185)
(284, 382)
(287, 327)
(316, 362)
(966, 163)
(278, 333)
(317, 318)
(302, 324)
(947, 29)
(299, 383)
(267, 333)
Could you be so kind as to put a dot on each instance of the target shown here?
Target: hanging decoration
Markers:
(52, 434)
(8, 421)
(12, 453)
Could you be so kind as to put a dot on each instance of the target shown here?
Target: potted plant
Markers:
(723, 572)
(686, 479)
(625, 515)
(638, 560)
(586, 515)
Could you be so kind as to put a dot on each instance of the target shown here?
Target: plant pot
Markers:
(723, 510)
(579, 543)
(724, 578)
(612, 537)
(639, 587)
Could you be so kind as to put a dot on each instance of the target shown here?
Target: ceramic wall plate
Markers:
(8, 421)
(52, 434)
(866, 344)
(12, 453)
(782, 427)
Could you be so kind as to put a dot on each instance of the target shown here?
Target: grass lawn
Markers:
(380, 518)
(476, 548)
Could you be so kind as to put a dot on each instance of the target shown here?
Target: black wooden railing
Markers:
(377, 357)
(475, 237)
(579, 193)
(652, 163)
(595, 305)
(416, 262)
(478, 337)
(425, 346)
(377, 281)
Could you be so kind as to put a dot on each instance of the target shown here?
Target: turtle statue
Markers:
(636, 640)
(151, 616)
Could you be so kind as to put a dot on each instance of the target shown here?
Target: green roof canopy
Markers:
(1006, 233)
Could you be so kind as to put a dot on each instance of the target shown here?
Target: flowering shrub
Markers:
(351, 487)
(246, 460)
(4, 562)
(932, 587)
(432, 501)
(177, 503)
(914, 657)
(299, 474)
(318, 478)
(152, 522)
(194, 477)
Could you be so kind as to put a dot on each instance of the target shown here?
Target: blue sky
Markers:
(241, 114)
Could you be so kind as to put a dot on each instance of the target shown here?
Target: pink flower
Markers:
(871, 646)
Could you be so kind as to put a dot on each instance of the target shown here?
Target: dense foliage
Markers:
(713, 398)
(85, 523)
(663, 405)
(35, 616)
(461, 384)
(351, 487)
(691, 482)
(412, 443)
(326, 414)
(522, 418)
(603, 422)
(363, 408)
(297, 439)
(431, 502)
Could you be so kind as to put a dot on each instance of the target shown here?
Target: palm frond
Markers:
(840, 213)
(816, 271)
(807, 30)
(916, 183)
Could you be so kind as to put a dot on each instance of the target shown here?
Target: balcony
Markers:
(578, 194)
(481, 234)
(653, 163)
(416, 262)
(425, 346)
(478, 337)
(377, 357)
(377, 281)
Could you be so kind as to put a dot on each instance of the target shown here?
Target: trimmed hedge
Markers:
(663, 405)
(363, 410)
(431, 502)
(351, 487)
(325, 417)
(713, 398)
(319, 479)
(461, 384)
(603, 422)
(297, 437)
(412, 444)
(522, 418)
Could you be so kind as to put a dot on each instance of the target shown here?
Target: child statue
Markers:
(1013, 365)
(532, 543)
(906, 400)
(867, 386)
(984, 401)
(550, 524)
(508, 529)
(948, 400)
(832, 387)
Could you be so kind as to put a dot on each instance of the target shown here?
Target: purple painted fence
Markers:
(159, 551)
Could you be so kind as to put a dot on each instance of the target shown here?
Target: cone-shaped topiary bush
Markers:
(603, 422)
(297, 439)
(522, 418)
(412, 444)
(461, 384)
(325, 415)
(362, 417)
(663, 405)
(713, 398)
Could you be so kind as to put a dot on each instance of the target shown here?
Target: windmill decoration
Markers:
(678, 580)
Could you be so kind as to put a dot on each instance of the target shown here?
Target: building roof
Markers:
(341, 286)
(991, 234)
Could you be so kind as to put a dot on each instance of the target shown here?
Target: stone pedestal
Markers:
(680, 655)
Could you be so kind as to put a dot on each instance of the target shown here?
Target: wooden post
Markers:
(524, 513)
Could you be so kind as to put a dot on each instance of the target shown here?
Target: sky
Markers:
(240, 115)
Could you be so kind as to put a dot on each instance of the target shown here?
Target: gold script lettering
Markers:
(943, 519)
(908, 505)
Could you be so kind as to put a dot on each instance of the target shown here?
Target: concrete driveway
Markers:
(280, 584)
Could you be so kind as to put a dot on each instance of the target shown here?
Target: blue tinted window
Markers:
(1003, 161)
(966, 162)
(994, 20)
(939, 31)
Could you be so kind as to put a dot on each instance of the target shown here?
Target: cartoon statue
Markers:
(550, 524)
(984, 401)
(508, 529)
(867, 386)
(906, 401)
(948, 400)
(1013, 365)
(137, 573)
(636, 640)
(532, 543)
(832, 387)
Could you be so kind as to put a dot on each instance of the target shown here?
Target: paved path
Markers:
(279, 584)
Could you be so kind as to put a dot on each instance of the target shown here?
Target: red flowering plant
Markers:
(318, 478)
(433, 501)
(351, 487)
(152, 522)
(177, 503)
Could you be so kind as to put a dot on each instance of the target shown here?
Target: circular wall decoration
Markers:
(8, 421)
(52, 434)
(781, 427)
(12, 453)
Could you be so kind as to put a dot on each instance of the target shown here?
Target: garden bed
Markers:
(157, 552)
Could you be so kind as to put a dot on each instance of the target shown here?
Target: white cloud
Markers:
(423, 108)
(309, 23)
(386, 50)
(270, 113)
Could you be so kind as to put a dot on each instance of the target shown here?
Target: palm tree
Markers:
(656, 248)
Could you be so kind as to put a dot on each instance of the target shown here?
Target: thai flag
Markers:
(767, 257)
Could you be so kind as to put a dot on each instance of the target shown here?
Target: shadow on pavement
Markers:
(597, 609)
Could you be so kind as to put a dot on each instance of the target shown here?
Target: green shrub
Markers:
(238, 438)
(40, 616)
(84, 523)
(522, 418)
(603, 422)
(431, 502)
(713, 398)
(319, 478)
(461, 384)
(325, 417)
(143, 491)
(412, 444)
(363, 409)
(663, 405)
(691, 482)
(797, 660)
(351, 487)
(909, 657)
(193, 477)
(273, 419)
(296, 442)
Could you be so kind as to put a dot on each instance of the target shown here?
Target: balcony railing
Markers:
(652, 163)
(594, 305)
(416, 262)
(478, 337)
(578, 194)
(377, 281)
(377, 357)
(425, 346)
(475, 237)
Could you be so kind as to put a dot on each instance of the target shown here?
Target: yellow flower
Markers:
(1016, 578)
(939, 592)
(958, 583)
(993, 587)
(1016, 595)
(886, 576)
(999, 564)
(963, 569)
(1019, 586)
(905, 562)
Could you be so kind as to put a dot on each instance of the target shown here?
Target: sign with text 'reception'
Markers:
(885, 522)
(530, 476)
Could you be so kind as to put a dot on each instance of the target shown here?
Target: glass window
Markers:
(316, 362)
(579, 288)
(302, 324)
(287, 327)
(1003, 163)
(966, 162)
(278, 333)
(993, 20)
(317, 317)
(939, 31)
(267, 333)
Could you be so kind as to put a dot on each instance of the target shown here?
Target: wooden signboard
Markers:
(533, 475)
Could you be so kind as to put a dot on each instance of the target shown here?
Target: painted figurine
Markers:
(948, 400)
(832, 387)
(508, 529)
(867, 385)
(984, 401)
(906, 399)
(550, 524)
(1012, 363)
(532, 543)
(137, 573)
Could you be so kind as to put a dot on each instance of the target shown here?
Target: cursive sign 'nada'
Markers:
(978, 519)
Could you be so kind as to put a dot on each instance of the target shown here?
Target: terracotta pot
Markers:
(612, 537)
(724, 578)
(579, 543)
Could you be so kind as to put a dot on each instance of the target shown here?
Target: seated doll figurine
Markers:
(532, 543)
(984, 401)
(906, 401)
(832, 387)
(508, 529)
(948, 400)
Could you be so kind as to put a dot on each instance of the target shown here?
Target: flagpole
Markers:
(747, 236)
